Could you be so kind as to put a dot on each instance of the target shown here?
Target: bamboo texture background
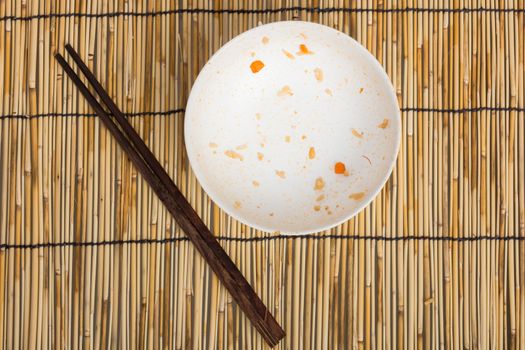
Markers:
(89, 258)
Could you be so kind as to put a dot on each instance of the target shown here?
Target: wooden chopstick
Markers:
(176, 204)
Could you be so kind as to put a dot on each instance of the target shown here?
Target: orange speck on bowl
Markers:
(288, 54)
(303, 50)
(252, 54)
(303, 35)
(319, 184)
(384, 124)
(318, 74)
(328, 92)
(303, 137)
(256, 66)
(346, 173)
(262, 145)
(258, 116)
(241, 147)
(285, 91)
(320, 198)
(339, 168)
(237, 204)
(255, 183)
(265, 40)
(233, 155)
(212, 145)
(287, 138)
(280, 173)
(361, 90)
(357, 133)
(357, 196)
(311, 153)
(317, 208)
(260, 156)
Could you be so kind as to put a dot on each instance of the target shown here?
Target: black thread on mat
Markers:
(77, 115)
(261, 239)
(264, 11)
(181, 110)
(463, 110)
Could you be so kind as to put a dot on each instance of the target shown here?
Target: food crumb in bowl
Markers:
(329, 212)
(285, 91)
(320, 198)
(303, 35)
(255, 183)
(262, 145)
(271, 214)
(233, 155)
(251, 54)
(311, 153)
(317, 208)
(361, 90)
(237, 205)
(318, 72)
(265, 40)
(241, 147)
(256, 66)
(258, 116)
(328, 92)
(303, 50)
(288, 54)
(303, 137)
(287, 138)
(339, 168)
(260, 156)
(357, 133)
(384, 124)
(212, 145)
(281, 174)
(319, 184)
(357, 196)
(369, 161)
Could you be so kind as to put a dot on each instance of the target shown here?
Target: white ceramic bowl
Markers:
(272, 113)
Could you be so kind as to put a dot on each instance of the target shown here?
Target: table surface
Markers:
(89, 257)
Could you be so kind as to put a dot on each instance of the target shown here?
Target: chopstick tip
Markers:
(59, 57)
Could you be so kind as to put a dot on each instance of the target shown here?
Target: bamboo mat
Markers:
(89, 258)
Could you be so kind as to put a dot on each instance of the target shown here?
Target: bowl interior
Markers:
(292, 127)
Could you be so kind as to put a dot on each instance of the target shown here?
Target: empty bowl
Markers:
(292, 127)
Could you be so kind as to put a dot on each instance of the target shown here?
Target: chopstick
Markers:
(176, 203)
